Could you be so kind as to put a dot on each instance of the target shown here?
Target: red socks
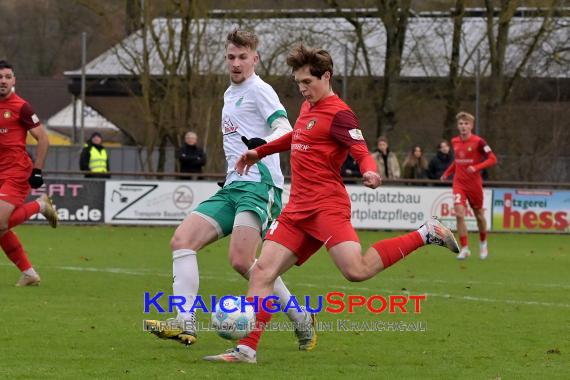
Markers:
(463, 241)
(262, 316)
(23, 213)
(395, 249)
(14, 250)
(483, 236)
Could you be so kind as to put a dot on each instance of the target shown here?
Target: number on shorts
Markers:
(457, 197)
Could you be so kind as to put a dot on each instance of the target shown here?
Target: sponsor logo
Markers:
(356, 134)
(311, 124)
(183, 197)
(303, 147)
(239, 101)
(228, 127)
(3, 130)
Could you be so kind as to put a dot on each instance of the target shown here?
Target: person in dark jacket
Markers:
(349, 169)
(190, 156)
(441, 161)
(94, 158)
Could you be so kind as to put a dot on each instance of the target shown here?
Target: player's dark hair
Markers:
(318, 60)
(5, 65)
(242, 38)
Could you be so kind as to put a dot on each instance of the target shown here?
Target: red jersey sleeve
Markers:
(485, 151)
(28, 118)
(450, 170)
(345, 130)
(365, 160)
(282, 144)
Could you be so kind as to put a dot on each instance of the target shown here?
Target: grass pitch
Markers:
(507, 317)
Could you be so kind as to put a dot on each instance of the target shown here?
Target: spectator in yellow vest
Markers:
(94, 158)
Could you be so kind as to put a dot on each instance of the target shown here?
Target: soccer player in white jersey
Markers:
(246, 205)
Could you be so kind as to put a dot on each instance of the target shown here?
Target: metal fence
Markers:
(130, 159)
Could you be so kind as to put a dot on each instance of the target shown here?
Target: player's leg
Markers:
(9, 198)
(356, 267)
(335, 228)
(476, 202)
(257, 203)
(275, 259)
(211, 220)
(460, 203)
(42, 205)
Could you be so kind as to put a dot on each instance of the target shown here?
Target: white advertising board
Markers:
(407, 207)
(154, 202)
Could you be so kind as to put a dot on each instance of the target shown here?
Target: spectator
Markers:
(94, 158)
(415, 165)
(386, 161)
(350, 169)
(441, 161)
(191, 157)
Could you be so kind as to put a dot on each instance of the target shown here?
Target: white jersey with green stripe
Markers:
(249, 109)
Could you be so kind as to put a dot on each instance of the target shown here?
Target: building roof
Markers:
(426, 53)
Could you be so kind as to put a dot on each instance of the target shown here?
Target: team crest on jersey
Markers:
(469, 149)
(7, 114)
(311, 124)
(356, 134)
(239, 101)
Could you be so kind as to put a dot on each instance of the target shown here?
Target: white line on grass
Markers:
(146, 272)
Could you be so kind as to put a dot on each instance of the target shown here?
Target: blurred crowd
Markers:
(414, 166)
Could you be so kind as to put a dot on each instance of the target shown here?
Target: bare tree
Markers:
(452, 99)
(167, 58)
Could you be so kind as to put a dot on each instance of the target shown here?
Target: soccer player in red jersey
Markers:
(318, 212)
(18, 174)
(472, 154)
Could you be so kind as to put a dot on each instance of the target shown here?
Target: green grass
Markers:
(485, 320)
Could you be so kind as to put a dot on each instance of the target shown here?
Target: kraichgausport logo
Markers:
(335, 303)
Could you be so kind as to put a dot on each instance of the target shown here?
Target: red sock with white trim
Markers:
(262, 317)
(483, 236)
(14, 250)
(23, 213)
(463, 241)
(395, 249)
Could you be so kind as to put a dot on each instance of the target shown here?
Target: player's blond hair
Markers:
(465, 116)
(242, 38)
(318, 60)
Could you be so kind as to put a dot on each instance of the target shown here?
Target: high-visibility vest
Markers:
(98, 160)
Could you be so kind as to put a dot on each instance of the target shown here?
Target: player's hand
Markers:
(443, 178)
(253, 143)
(36, 180)
(246, 161)
(371, 180)
(471, 169)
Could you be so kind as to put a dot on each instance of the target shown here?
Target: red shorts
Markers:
(474, 195)
(14, 190)
(304, 236)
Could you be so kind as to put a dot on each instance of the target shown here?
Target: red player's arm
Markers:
(361, 154)
(282, 144)
(490, 161)
(450, 170)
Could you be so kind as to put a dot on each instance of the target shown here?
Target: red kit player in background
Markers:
(18, 174)
(318, 212)
(472, 154)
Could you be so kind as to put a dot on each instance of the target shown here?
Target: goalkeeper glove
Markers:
(36, 180)
(253, 142)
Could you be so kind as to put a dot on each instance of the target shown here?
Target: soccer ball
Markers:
(233, 325)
